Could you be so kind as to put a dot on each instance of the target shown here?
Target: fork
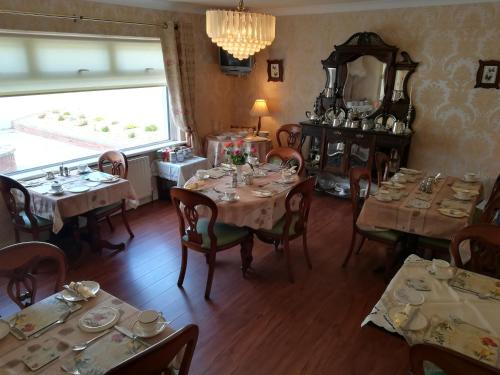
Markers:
(61, 320)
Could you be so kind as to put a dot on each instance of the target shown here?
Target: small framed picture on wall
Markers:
(275, 70)
(488, 74)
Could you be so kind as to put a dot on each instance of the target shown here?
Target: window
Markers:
(65, 98)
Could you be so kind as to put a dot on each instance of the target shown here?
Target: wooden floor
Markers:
(263, 324)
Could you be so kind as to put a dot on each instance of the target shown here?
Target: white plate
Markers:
(262, 193)
(418, 322)
(92, 285)
(107, 318)
(111, 180)
(78, 189)
(4, 329)
(408, 295)
(453, 212)
(418, 203)
(410, 171)
(445, 274)
(160, 327)
(462, 198)
(235, 199)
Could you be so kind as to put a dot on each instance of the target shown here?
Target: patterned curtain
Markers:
(178, 56)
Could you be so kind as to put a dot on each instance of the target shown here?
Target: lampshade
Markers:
(259, 108)
(240, 33)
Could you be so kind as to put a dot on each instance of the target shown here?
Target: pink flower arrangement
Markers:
(235, 152)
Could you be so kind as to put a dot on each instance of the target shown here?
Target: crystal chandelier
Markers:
(239, 32)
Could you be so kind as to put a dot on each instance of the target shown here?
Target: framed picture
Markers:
(488, 74)
(275, 70)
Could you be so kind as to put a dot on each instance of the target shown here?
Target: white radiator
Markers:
(139, 175)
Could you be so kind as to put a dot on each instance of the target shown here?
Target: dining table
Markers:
(81, 194)
(24, 351)
(452, 308)
(405, 208)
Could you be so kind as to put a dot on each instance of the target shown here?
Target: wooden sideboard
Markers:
(336, 150)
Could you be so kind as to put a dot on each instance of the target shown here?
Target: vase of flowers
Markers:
(237, 156)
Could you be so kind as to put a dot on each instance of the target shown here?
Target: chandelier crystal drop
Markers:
(240, 33)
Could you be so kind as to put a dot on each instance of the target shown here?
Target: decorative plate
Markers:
(73, 297)
(453, 212)
(99, 319)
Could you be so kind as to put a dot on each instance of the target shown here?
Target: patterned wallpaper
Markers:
(457, 127)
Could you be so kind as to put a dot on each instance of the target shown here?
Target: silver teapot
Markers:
(398, 127)
(312, 116)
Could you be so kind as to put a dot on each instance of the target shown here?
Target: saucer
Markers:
(462, 198)
(452, 212)
(235, 199)
(408, 295)
(160, 327)
(399, 317)
(53, 192)
(445, 275)
(99, 319)
(74, 297)
(4, 329)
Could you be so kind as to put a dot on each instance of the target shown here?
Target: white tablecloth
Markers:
(441, 301)
(179, 172)
(215, 149)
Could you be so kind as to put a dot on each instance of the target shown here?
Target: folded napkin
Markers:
(81, 289)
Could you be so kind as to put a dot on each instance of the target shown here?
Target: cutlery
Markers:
(75, 292)
(456, 320)
(67, 370)
(124, 331)
(479, 294)
(61, 320)
(84, 345)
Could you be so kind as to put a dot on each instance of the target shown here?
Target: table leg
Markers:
(246, 254)
(96, 242)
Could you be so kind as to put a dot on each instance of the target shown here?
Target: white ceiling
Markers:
(287, 7)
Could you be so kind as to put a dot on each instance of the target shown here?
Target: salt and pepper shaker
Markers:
(66, 171)
(61, 169)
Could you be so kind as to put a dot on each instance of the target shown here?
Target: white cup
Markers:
(82, 168)
(229, 194)
(440, 266)
(148, 320)
(56, 186)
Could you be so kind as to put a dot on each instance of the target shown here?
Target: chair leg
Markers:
(351, 248)
(125, 221)
(358, 250)
(183, 266)
(306, 250)
(211, 269)
(16, 235)
(110, 224)
(286, 250)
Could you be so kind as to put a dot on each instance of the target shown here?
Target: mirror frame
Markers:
(369, 44)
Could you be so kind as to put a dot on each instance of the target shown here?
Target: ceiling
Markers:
(287, 7)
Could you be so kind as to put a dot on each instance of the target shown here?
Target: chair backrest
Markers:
(356, 174)
(7, 185)
(451, 362)
(298, 203)
(17, 263)
(118, 161)
(491, 213)
(185, 203)
(156, 359)
(382, 166)
(495, 194)
(484, 248)
(292, 132)
(287, 155)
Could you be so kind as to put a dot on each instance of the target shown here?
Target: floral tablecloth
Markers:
(59, 207)
(99, 357)
(179, 172)
(250, 210)
(457, 297)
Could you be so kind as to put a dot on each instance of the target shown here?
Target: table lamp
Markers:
(259, 109)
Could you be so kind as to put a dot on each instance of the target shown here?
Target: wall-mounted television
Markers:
(231, 65)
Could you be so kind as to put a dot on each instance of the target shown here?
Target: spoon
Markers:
(74, 371)
(456, 320)
(84, 345)
(61, 320)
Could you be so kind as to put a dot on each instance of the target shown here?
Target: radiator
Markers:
(139, 175)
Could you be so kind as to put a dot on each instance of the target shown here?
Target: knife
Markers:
(124, 331)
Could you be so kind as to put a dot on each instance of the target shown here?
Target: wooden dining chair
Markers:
(484, 242)
(491, 211)
(22, 217)
(294, 223)
(382, 166)
(388, 237)
(119, 167)
(447, 360)
(18, 263)
(206, 235)
(286, 155)
(157, 359)
(292, 133)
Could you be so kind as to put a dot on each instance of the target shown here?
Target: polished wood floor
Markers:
(263, 324)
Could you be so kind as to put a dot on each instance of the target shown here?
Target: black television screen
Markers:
(232, 65)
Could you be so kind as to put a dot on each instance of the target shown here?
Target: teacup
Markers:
(148, 320)
(470, 176)
(56, 186)
(439, 266)
(229, 194)
(82, 168)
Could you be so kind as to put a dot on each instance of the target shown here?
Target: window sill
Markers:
(92, 161)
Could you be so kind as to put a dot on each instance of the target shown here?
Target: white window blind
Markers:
(34, 64)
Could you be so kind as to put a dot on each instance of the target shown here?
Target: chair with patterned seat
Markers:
(206, 235)
(18, 264)
(119, 167)
(388, 237)
(294, 223)
(286, 155)
(22, 217)
(292, 133)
